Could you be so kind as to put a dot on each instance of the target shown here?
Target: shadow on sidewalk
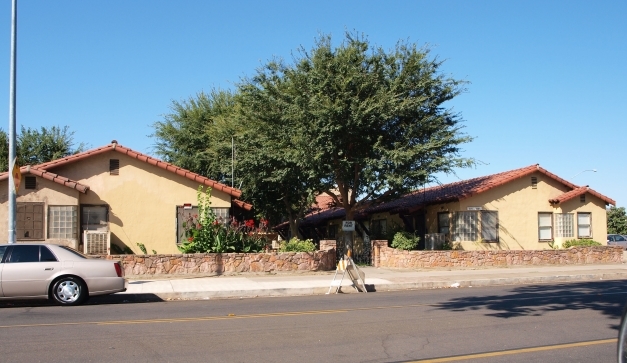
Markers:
(608, 297)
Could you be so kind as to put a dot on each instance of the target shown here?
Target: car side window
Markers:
(620, 238)
(46, 254)
(25, 253)
(3, 249)
(610, 238)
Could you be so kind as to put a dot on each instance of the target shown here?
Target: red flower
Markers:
(190, 239)
(263, 222)
(250, 223)
(215, 223)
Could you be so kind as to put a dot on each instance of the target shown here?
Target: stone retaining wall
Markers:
(225, 263)
(384, 256)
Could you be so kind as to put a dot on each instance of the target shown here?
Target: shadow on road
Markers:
(608, 297)
(95, 300)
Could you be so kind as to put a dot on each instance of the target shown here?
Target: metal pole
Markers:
(232, 162)
(12, 191)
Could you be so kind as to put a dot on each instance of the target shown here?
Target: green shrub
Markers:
(405, 241)
(297, 245)
(580, 243)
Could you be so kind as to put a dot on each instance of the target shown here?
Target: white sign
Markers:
(348, 226)
(474, 208)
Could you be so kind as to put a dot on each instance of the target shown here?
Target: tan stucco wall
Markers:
(518, 206)
(142, 199)
(46, 191)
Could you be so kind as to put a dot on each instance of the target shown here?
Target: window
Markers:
(534, 182)
(185, 216)
(465, 226)
(583, 225)
(564, 225)
(378, 228)
(30, 221)
(582, 198)
(30, 182)
(545, 226)
(444, 223)
(45, 255)
(24, 253)
(489, 226)
(62, 221)
(114, 166)
(94, 217)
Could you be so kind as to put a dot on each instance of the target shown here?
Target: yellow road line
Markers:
(211, 318)
(515, 351)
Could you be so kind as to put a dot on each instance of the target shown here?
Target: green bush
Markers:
(405, 241)
(580, 243)
(297, 245)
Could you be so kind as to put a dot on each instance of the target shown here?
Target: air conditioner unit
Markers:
(96, 242)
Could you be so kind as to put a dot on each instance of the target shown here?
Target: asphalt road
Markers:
(540, 323)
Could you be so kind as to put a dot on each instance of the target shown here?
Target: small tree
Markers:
(39, 146)
(616, 220)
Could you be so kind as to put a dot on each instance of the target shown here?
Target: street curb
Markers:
(395, 286)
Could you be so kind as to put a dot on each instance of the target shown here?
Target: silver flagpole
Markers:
(12, 191)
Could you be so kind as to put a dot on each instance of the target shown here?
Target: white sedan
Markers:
(48, 271)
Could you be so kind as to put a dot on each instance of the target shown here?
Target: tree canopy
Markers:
(358, 122)
(617, 220)
(39, 146)
(368, 124)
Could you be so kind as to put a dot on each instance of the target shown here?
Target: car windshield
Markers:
(70, 249)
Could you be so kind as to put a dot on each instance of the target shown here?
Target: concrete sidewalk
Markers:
(377, 279)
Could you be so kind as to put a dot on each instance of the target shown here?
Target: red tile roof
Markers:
(579, 191)
(49, 176)
(145, 158)
(242, 204)
(450, 193)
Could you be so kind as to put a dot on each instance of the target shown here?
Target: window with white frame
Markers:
(584, 229)
(63, 221)
(564, 225)
(489, 226)
(465, 226)
(545, 226)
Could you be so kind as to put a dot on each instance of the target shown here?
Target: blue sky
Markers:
(548, 78)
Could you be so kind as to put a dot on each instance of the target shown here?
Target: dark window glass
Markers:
(2, 251)
(25, 253)
(46, 255)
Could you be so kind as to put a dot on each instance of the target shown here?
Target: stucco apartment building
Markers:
(521, 209)
(110, 192)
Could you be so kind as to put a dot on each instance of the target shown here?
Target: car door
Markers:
(3, 249)
(27, 270)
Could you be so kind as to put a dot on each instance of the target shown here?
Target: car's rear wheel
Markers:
(69, 290)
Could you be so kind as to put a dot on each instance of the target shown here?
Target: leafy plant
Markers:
(143, 248)
(580, 243)
(616, 220)
(405, 241)
(154, 252)
(553, 246)
(297, 245)
(204, 232)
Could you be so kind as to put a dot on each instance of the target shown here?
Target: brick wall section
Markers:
(221, 263)
(328, 244)
(384, 256)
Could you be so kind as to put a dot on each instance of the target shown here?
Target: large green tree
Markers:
(197, 133)
(36, 146)
(617, 220)
(369, 124)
